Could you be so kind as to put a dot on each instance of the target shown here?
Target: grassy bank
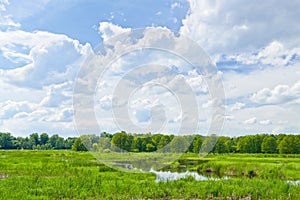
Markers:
(73, 175)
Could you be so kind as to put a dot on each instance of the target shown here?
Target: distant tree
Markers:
(163, 144)
(57, 142)
(284, 147)
(146, 139)
(208, 144)
(104, 143)
(16, 143)
(222, 145)
(269, 144)
(78, 145)
(197, 143)
(156, 139)
(94, 138)
(150, 147)
(179, 144)
(25, 143)
(87, 141)
(296, 144)
(137, 144)
(122, 141)
(231, 145)
(6, 141)
(250, 143)
(282, 143)
(69, 142)
(44, 138)
(34, 139)
(60, 143)
(106, 135)
(290, 144)
(95, 147)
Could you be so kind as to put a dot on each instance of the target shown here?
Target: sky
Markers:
(45, 45)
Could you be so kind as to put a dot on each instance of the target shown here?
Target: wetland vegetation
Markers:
(65, 174)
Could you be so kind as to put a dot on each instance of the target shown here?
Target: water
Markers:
(294, 182)
(171, 176)
(3, 176)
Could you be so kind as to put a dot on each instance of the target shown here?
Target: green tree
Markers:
(197, 143)
(290, 144)
(269, 144)
(34, 139)
(284, 147)
(78, 145)
(137, 144)
(56, 142)
(104, 143)
(222, 145)
(87, 141)
(208, 144)
(60, 143)
(179, 144)
(250, 144)
(231, 145)
(6, 141)
(119, 140)
(150, 147)
(163, 144)
(44, 138)
(69, 142)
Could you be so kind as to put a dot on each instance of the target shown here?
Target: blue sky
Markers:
(254, 44)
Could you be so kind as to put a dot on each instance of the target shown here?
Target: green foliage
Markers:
(289, 144)
(122, 141)
(61, 174)
(78, 145)
(6, 141)
(44, 138)
(269, 144)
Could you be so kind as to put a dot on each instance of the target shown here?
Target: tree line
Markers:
(122, 141)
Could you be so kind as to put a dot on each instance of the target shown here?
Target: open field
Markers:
(77, 175)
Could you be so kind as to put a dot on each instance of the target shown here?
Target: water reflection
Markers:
(171, 176)
(294, 182)
(3, 176)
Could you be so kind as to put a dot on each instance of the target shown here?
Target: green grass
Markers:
(78, 175)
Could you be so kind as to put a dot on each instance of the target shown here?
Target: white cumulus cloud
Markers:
(250, 121)
(279, 94)
(237, 26)
(109, 30)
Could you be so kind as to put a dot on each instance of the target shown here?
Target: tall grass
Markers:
(73, 175)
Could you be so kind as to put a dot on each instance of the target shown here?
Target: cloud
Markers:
(237, 106)
(106, 102)
(279, 94)
(175, 5)
(109, 30)
(38, 91)
(236, 26)
(61, 115)
(6, 20)
(3, 4)
(146, 74)
(57, 94)
(265, 122)
(250, 121)
(259, 42)
(241, 85)
(10, 108)
(52, 58)
(273, 54)
(229, 117)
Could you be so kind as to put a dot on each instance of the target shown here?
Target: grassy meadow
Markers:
(61, 174)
